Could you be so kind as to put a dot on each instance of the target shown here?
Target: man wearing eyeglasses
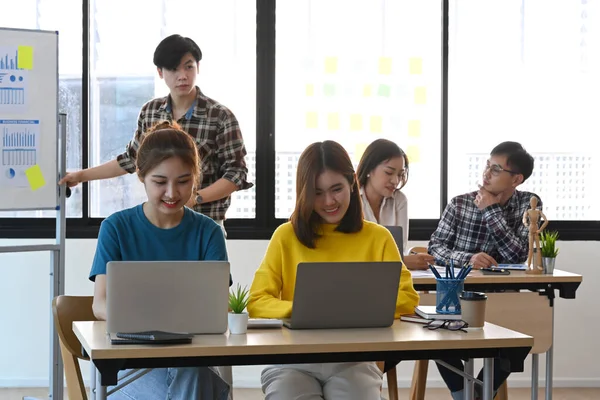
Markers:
(485, 228)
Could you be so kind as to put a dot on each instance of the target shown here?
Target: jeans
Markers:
(194, 383)
(455, 382)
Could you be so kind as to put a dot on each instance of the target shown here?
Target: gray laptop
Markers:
(398, 236)
(331, 295)
(171, 296)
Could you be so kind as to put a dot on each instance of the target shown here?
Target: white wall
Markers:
(25, 314)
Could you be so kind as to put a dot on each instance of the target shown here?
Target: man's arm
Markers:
(442, 242)
(512, 244)
(218, 190)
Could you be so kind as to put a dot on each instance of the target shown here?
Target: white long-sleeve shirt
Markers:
(393, 212)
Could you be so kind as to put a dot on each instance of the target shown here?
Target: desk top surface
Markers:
(400, 336)
(476, 277)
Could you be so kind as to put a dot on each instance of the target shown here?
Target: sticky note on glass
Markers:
(312, 120)
(414, 128)
(383, 91)
(331, 65)
(25, 57)
(385, 65)
(310, 89)
(35, 177)
(329, 89)
(367, 91)
(356, 122)
(420, 95)
(413, 153)
(376, 123)
(333, 121)
(359, 149)
(415, 65)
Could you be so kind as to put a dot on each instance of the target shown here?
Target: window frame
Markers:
(264, 223)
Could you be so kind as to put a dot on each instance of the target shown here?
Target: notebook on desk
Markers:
(331, 295)
(170, 296)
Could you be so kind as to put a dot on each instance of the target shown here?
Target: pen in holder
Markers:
(447, 295)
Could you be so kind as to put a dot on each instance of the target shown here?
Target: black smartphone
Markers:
(495, 271)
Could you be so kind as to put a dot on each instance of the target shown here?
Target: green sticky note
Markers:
(25, 57)
(383, 91)
(35, 177)
(329, 89)
(312, 120)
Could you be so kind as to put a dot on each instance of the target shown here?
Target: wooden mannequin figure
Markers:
(531, 219)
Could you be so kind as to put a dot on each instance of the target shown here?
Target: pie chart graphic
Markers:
(10, 173)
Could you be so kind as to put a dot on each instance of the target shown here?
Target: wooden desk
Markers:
(404, 341)
(565, 282)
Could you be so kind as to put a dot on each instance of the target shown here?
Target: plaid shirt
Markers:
(217, 134)
(498, 231)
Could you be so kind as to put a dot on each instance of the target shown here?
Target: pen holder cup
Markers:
(447, 295)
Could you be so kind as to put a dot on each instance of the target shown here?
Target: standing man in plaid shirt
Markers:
(213, 126)
(485, 228)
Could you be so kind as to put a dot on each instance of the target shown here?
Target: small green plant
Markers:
(238, 299)
(548, 243)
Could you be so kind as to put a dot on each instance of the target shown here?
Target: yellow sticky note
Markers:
(385, 65)
(420, 95)
(310, 89)
(333, 121)
(312, 120)
(359, 150)
(355, 122)
(416, 65)
(35, 177)
(413, 153)
(330, 65)
(376, 123)
(414, 128)
(367, 91)
(25, 57)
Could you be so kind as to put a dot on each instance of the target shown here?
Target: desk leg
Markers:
(100, 390)
(535, 372)
(469, 384)
(92, 381)
(550, 360)
(488, 379)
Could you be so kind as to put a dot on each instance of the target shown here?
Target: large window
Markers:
(354, 71)
(527, 71)
(123, 78)
(57, 15)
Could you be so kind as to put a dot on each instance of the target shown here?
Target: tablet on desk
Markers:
(516, 267)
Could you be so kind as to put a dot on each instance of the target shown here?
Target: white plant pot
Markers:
(238, 323)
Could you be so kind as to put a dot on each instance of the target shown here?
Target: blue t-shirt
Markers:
(129, 236)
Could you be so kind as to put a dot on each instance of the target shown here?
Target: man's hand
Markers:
(482, 260)
(418, 261)
(72, 179)
(485, 199)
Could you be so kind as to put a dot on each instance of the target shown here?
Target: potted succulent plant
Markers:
(549, 250)
(238, 317)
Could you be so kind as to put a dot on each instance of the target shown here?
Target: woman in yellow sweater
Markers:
(326, 225)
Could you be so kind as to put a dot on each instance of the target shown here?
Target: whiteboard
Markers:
(28, 119)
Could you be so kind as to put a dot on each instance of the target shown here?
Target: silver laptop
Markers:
(171, 296)
(331, 295)
(398, 236)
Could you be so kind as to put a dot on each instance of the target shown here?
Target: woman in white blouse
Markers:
(382, 173)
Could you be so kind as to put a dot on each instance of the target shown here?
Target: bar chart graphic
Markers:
(20, 146)
(13, 80)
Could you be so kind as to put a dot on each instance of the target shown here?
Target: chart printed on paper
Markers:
(20, 150)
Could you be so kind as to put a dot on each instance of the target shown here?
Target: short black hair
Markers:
(517, 158)
(171, 49)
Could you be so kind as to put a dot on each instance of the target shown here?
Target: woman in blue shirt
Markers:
(162, 229)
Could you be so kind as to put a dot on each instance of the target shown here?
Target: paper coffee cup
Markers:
(472, 306)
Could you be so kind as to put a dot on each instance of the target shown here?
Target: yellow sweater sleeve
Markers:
(265, 292)
(408, 298)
